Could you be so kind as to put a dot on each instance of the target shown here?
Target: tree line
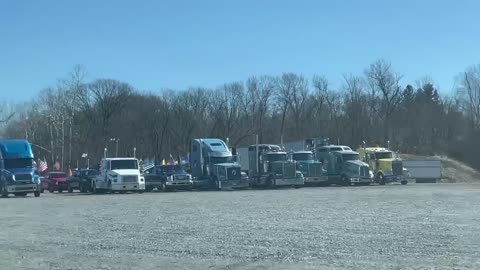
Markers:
(78, 116)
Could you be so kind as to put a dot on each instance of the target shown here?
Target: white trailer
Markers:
(424, 171)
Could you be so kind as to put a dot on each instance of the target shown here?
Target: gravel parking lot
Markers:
(416, 226)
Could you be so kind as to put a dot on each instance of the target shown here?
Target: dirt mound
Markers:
(453, 171)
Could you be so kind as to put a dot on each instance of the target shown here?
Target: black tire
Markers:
(404, 182)
(380, 179)
(36, 193)
(50, 189)
(4, 191)
(70, 190)
(344, 181)
(60, 190)
(269, 183)
(94, 188)
(20, 194)
(42, 190)
(148, 189)
(164, 187)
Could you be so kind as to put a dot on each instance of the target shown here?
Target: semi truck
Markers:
(387, 167)
(311, 169)
(18, 175)
(212, 165)
(344, 167)
(270, 167)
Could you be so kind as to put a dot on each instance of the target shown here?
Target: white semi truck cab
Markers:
(119, 175)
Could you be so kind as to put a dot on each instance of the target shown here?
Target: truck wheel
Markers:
(94, 188)
(344, 181)
(270, 182)
(60, 190)
(148, 189)
(4, 191)
(404, 182)
(50, 189)
(36, 193)
(70, 190)
(380, 179)
(42, 190)
(164, 187)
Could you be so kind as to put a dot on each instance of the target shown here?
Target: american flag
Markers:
(42, 165)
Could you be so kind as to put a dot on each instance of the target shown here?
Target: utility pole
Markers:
(134, 152)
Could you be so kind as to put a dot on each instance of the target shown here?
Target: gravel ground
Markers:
(423, 226)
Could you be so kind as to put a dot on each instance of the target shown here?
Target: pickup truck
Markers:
(167, 178)
(55, 181)
(81, 180)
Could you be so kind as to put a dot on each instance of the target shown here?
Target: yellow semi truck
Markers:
(386, 166)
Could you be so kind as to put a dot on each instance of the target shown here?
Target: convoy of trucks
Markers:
(212, 165)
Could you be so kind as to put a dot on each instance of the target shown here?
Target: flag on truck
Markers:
(42, 165)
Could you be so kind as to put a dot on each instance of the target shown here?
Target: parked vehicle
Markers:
(346, 168)
(386, 165)
(269, 167)
(17, 174)
(311, 169)
(119, 175)
(55, 181)
(322, 153)
(212, 165)
(168, 178)
(81, 180)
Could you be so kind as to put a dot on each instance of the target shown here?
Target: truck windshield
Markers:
(302, 156)
(217, 160)
(18, 163)
(171, 169)
(347, 157)
(276, 157)
(383, 155)
(124, 164)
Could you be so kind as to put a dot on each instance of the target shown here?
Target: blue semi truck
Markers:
(17, 173)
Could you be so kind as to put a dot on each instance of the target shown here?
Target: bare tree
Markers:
(383, 80)
(471, 88)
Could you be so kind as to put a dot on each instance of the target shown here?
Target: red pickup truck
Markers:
(54, 181)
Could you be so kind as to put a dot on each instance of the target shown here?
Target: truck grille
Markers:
(180, 177)
(397, 167)
(289, 170)
(364, 171)
(22, 177)
(234, 173)
(314, 169)
(130, 179)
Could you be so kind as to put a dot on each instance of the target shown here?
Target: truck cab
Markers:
(311, 169)
(269, 166)
(212, 165)
(81, 180)
(17, 173)
(346, 168)
(119, 175)
(385, 164)
(322, 153)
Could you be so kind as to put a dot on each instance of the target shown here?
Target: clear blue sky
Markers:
(177, 44)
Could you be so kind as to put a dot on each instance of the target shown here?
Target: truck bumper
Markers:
(315, 180)
(395, 178)
(187, 184)
(289, 182)
(23, 188)
(128, 187)
(361, 180)
(243, 183)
